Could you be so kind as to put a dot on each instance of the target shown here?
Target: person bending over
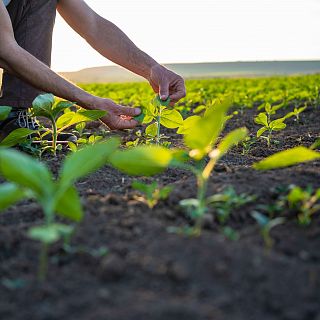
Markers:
(25, 55)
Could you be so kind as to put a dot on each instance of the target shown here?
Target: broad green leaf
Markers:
(26, 172)
(152, 129)
(10, 193)
(60, 106)
(187, 124)
(4, 112)
(69, 205)
(42, 105)
(231, 139)
(287, 158)
(65, 119)
(80, 116)
(262, 119)
(142, 160)
(86, 160)
(15, 137)
(261, 131)
(51, 233)
(277, 124)
(171, 118)
(205, 131)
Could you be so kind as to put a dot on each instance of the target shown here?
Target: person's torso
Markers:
(6, 2)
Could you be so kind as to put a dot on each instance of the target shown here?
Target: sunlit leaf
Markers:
(86, 160)
(171, 118)
(142, 160)
(287, 158)
(16, 136)
(10, 193)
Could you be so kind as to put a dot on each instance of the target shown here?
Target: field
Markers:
(128, 261)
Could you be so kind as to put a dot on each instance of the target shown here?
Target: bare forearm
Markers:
(114, 44)
(28, 68)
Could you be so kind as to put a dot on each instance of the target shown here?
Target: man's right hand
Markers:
(117, 117)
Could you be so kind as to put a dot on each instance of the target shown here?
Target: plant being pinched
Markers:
(31, 179)
(159, 114)
(60, 116)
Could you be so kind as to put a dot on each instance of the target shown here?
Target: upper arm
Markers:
(79, 16)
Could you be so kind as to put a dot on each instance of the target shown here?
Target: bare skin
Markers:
(107, 39)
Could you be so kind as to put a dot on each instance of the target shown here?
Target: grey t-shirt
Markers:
(6, 2)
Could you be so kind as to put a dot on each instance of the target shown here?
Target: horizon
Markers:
(210, 31)
(203, 62)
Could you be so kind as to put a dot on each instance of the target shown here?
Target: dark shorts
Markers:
(32, 22)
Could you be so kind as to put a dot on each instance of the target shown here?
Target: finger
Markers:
(127, 111)
(179, 94)
(164, 90)
(126, 123)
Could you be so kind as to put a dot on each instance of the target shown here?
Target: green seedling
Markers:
(296, 113)
(269, 126)
(159, 113)
(228, 200)
(266, 225)
(152, 192)
(247, 145)
(16, 136)
(60, 116)
(200, 138)
(29, 178)
(306, 202)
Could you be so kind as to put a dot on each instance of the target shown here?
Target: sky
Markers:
(174, 31)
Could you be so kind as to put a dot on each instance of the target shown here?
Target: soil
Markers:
(148, 273)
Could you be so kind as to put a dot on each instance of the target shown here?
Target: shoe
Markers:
(21, 118)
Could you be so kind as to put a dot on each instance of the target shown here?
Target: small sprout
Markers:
(152, 192)
(305, 202)
(228, 200)
(266, 225)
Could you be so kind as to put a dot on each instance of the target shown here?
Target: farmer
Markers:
(25, 53)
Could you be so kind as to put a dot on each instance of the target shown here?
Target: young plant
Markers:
(201, 139)
(269, 126)
(266, 225)
(29, 178)
(152, 192)
(228, 200)
(305, 202)
(60, 115)
(158, 113)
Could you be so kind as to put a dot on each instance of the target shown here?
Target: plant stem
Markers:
(43, 262)
(54, 137)
(158, 130)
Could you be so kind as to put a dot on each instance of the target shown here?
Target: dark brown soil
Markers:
(151, 274)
